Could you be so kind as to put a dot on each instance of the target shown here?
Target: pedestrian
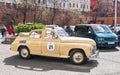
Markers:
(69, 30)
(3, 32)
(9, 30)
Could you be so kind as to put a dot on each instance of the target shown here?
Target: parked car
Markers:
(52, 26)
(118, 34)
(101, 33)
(116, 30)
(42, 42)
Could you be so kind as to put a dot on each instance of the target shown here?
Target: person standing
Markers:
(69, 30)
(3, 32)
(9, 30)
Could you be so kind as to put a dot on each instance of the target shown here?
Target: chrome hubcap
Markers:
(78, 57)
(24, 53)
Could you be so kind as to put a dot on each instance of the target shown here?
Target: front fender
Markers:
(67, 47)
(14, 47)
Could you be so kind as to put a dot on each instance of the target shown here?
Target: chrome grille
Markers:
(110, 39)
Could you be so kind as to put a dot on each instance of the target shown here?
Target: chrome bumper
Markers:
(95, 55)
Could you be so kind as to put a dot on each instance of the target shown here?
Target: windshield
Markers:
(62, 33)
(106, 28)
(101, 29)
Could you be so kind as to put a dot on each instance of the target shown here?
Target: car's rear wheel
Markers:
(77, 57)
(24, 53)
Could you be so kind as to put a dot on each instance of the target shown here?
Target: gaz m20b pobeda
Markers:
(55, 43)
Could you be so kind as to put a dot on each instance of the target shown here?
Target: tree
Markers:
(54, 9)
(69, 15)
(23, 7)
(39, 17)
(8, 19)
(83, 11)
(103, 9)
(7, 12)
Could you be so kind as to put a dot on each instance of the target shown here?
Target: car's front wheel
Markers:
(24, 53)
(77, 57)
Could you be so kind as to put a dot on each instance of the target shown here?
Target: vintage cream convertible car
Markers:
(54, 43)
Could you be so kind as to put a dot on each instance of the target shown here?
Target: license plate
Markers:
(111, 42)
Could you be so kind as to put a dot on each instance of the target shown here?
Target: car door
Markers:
(50, 44)
(83, 31)
(89, 32)
(34, 42)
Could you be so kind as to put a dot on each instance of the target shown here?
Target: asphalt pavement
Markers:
(1, 39)
(107, 63)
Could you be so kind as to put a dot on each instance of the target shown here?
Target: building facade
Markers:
(8, 1)
(105, 6)
(82, 5)
(118, 8)
(104, 10)
(98, 6)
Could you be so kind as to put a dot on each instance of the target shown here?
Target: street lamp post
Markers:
(115, 15)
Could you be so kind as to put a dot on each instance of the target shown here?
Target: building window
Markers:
(70, 4)
(73, 4)
(81, 6)
(63, 4)
(38, 1)
(87, 7)
(60, 4)
(77, 5)
(44, 1)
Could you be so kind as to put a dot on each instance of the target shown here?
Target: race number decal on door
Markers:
(50, 46)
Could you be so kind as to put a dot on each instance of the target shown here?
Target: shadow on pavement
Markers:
(108, 49)
(39, 63)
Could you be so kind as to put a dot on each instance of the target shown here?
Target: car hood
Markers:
(106, 35)
(78, 40)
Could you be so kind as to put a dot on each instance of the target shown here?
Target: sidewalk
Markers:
(7, 40)
(1, 39)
